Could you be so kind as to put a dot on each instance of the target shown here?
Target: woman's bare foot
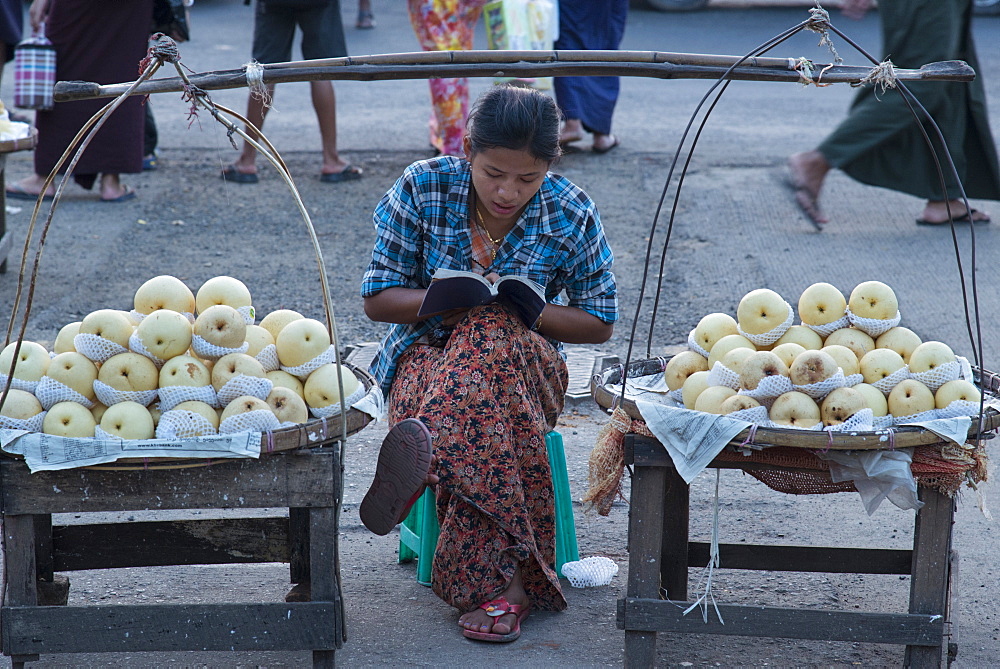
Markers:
(572, 131)
(478, 620)
(32, 186)
(936, 212)
(808, 170)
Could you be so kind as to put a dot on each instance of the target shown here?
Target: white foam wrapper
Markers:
(108, 395)
(248, 313)
(940, 375)
(268, 358)
(694, 346)
(873, 326)
(136, 346)
(883, 422)
(720, 375)
(171, 396)
(769, 388)
(137, 316)
(209, 351)
(241, 385)
(251, 421)
(49, 392)
(959, 408)
(851, 380)
(923, 416)
(826, 329)
(768, 338)
(96, 349)
(590, 571)
(818, 391)
(886, 384)
(334, 409)
(755, 415)
(18, 384)
(102, 435)
(33, 424)
(862, 421)
(182, 424)
(811, 428)
(305, 369)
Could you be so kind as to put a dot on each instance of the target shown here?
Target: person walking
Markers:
(100, 41)
(446, 25)
(880, 142)
(588, 103)
(322, 37)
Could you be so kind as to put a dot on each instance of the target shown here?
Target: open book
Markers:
(456, 289)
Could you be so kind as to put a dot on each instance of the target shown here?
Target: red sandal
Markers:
(400, 475)
(496, 608)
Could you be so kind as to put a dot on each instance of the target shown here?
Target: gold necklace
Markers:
(496, 242)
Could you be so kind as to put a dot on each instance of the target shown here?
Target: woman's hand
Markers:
(38, 13)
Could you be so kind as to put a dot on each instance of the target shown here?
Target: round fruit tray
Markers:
(313, 433)
(902, 436)
(22, 144)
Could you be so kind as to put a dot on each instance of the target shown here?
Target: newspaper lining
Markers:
(46, 452)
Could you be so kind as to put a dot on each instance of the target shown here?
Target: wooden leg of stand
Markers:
(19, 562)
(929, 580)
(298, 544)
(322, 559)
(674, 551)
(645, 530)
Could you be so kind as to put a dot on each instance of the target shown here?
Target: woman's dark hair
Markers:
(515, 118)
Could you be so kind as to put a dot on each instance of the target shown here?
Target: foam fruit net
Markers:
(208, 351)
(50, 392)
(171, 396)
(97, 349)
(590, 572)
(181, 424)
(305, 369)
(242, 385)
(252, 421)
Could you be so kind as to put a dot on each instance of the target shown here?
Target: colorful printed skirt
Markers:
(447, 25)
(488, 397)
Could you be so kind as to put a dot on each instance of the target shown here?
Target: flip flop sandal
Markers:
(400, 476)
(494, 609)
(129, 194)
(964, 218)
(614, 143)
(349, 173)
(17, 192)
(366, 21)
(234, 175)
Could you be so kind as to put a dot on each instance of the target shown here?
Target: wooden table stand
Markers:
(307, 482)
(660, 554)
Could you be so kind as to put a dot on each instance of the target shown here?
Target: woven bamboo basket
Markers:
(903, 436)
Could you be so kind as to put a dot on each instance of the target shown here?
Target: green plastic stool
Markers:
(418, 534)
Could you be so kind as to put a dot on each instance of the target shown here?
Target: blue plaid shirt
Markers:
(422, 224)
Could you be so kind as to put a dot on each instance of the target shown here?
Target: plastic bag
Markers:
(522, 25)
(34, 72)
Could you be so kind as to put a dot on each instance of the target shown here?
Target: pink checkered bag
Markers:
(34, 72)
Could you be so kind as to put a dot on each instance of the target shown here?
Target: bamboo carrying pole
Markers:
(434, 64)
